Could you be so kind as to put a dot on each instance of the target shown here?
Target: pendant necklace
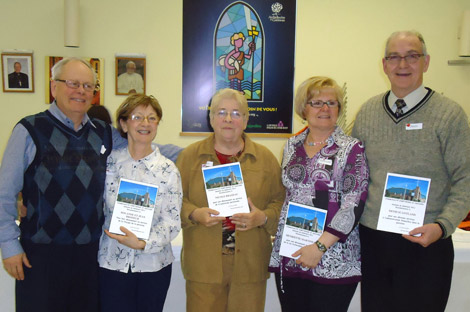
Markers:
(316, 143)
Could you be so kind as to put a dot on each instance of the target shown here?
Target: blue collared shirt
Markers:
(19, 153)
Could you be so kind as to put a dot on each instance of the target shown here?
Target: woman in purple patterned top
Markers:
(324, 168)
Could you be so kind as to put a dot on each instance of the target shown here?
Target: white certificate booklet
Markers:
(403, 203)
(304, 225)
(225, 189)
(134, 207)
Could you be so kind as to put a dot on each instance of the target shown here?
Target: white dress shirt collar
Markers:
(411, 99)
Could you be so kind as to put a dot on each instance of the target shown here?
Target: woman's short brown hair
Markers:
(132, 102)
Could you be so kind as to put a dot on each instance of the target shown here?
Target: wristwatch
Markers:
(321, 247)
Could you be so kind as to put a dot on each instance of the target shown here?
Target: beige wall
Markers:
(343, 39)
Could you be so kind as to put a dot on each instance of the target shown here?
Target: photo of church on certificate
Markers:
(220, 176)
(407, 188)
(137, 193)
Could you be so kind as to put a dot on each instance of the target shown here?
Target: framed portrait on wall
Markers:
(130, 75)
(18, 75)
(96, 63)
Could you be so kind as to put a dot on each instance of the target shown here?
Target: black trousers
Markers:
(398, 275)
(307, 295)
(134, 292)
(62, 279)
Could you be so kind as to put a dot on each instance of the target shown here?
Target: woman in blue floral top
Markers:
(325, 168)
(134, 273)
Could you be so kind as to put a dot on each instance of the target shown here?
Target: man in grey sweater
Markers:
(412, 130)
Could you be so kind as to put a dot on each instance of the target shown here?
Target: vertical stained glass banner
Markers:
(243, 45)
(239, 29)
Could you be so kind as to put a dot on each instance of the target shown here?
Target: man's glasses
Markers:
(410, 58)
(233, 114)
(73, 84)
(152, 119)
(319, 104)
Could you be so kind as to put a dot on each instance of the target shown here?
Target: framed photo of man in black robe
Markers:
(18, 75)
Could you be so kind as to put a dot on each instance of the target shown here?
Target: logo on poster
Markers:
(276, 7)
(278, 126)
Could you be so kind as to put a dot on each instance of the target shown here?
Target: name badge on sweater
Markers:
(414, 126)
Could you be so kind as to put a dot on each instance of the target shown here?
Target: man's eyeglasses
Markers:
(233, 114)
(410, 58)
(73, 84)
(319, 104)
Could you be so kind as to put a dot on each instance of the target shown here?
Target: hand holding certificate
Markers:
(247, 221)
(425, 235)
(206, 216)
(129, 239)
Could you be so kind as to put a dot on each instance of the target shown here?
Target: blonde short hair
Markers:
(236, 36)
(227, 93)
(313, 86)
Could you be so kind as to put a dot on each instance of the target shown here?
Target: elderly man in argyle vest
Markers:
(57, 158)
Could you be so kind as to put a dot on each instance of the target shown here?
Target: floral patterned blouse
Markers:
(153, 169)
(335, 179)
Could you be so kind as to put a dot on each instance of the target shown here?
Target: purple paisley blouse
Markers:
(335, 179)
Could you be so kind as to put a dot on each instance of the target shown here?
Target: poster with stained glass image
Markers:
(247, 46)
